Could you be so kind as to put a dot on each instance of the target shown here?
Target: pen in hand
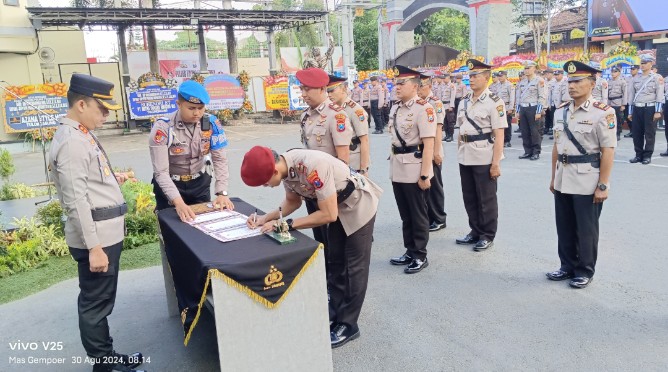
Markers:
(255, 218)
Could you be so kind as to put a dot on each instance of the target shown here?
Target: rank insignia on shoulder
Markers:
(352, 104)
(601, 105)
(83, 129)
(314, 180)
(494, 97)
(421, 101)
(335, 107)
(468, 96)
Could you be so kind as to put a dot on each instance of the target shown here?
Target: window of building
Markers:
(11, 2)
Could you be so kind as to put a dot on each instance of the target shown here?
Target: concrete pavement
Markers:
(484, 311)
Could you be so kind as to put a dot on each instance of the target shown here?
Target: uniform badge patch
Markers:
(160, 137)
(360, 114)
(501, 110)
(439, 107)
(292, 172)
(314, 180)
(206, 134)
(340, 118)
(611, 120)
(430, 115)
(177, 150)
(301, 168)
(341, 127)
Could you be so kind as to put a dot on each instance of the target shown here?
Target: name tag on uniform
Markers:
(586, 122)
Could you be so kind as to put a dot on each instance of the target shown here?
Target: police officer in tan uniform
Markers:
(347, 201)
(412, 127)
(436, 199)
(646, 101)
(366, 98)
(629, 83)
(618, 97)
(325, 127)
(531, 102)
(460, 89)
(506, 92)
(558, 94)
(359, 144)
(481, 119)
(665, 112)
(89, 192)
(448, 93)
(600, 92)
(377, 99)
(356, 93)
(582, 158)
(179, 145)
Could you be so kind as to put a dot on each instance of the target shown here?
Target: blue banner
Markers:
(152, 101)
(295, 94)
(22, 117)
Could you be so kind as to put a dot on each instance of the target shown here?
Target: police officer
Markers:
(448, 93)
(665, 112)
(412, 127)
(89, 192)
(506, 92)
(347, 201)
(436, 198)
(179, 145)
(629, 85)
(460, 89)
(600, 92)
(532, 103)
(366, 99)
(647, 97)
(481, 119)
(356, 93)
(359, 144)
(377, 97)
(495, 83)
(559, 94)
(618, 97)
(385, 111)
(549, 113)
(522, 77)
(324, 127)
(582, 158)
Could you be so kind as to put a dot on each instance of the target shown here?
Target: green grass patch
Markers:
(56, 269)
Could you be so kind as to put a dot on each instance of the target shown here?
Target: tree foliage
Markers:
(447, 27)
(365, 31)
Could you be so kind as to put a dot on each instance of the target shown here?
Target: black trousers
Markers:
(412, 204)
(577, 230)
(508, 132)
(193, 192)
(644, 131)
(385, 112)
(377, 117)
(531, 131)
(549, 119)
(620, 118)
(349, 271)
(479, 192)
(626, 117)
(319, 232)
(665, 121)
(97, 296)
(436, 201)
(368, 113)
(449, 123)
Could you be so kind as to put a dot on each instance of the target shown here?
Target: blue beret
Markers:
(194, 92)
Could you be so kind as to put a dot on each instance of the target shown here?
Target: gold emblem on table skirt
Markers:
(274, 279)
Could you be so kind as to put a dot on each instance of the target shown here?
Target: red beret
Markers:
(258, 166)
(313, 77)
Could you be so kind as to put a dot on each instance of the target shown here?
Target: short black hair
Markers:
(277, 157)
(73, 98)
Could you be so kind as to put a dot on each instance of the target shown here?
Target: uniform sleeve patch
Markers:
(360, 114)
(160, 137)
(430, 114)
(439, 107)
(611, 120)
(314, 180)
(501, 110)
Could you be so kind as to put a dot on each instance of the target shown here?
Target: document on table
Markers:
(224, 225)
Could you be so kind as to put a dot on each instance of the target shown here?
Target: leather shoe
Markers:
(525, 156)
(416, 266)
(619, 137)
(664, 153)
(507, 144)
(341, 334)
(377, 132)
(559, 275)
(534, 157)
(580, 282)
(635, 160)
(436, 226)
(468, 239)
(628, 135)
(405, 259)
(551, 137)
(448, 139)
(483, 244)
(647, 161)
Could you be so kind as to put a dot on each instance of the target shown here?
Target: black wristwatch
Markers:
(424, 178)
(602, 186)
(289, 221)
(224, 193)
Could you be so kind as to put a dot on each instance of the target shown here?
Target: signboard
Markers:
(151, 101)
(225, 92)
(295, 94)
(576, 33)
(21, 117)
(608, 17)
(512, 70)
(276, 93)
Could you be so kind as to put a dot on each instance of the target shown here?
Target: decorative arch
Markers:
(420, 10)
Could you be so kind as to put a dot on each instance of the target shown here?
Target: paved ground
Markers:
(467, 311)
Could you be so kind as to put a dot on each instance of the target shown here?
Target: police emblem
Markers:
(611, 120)
(430, 115)
(340, 127)
(360, 114)
(501, 110)
(314, 180)
(470, 65)
(160, 137)
(571, 68)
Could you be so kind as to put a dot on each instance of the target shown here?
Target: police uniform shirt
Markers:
(600, 92)
(83, 177)
(176, 151)
(357, 94)
(360, 127)
(532, 92)
(489, 112)
(440, 117)
(415, 119)
(460, 90)
(386, 93)
(366, 97)
(326, 127)
(506, 92)
(593, 125)
(448, 95)
(377, 94)
(315, 175)
(665, 89)
(560, 93)
(617, 92)
(647, 89)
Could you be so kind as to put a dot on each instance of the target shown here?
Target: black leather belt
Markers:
(406, 149)
(446, 102)
(342, 195)
(186, 177)
(102, 214)
(578, 159)
(476, 137)
(611, 98)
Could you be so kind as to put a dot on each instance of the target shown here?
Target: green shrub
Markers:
(138, 195)
(20, 256)
(28, 245)
(52, 215)
(141, 223)
(7, 168)
(11, 191)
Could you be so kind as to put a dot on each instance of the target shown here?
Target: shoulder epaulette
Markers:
(335, 107)
(494, 97)
(468, 95)
(164, 118)
(564, 104)
(433, 98)
(421, 101)
(601, 105)
(351, 104)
